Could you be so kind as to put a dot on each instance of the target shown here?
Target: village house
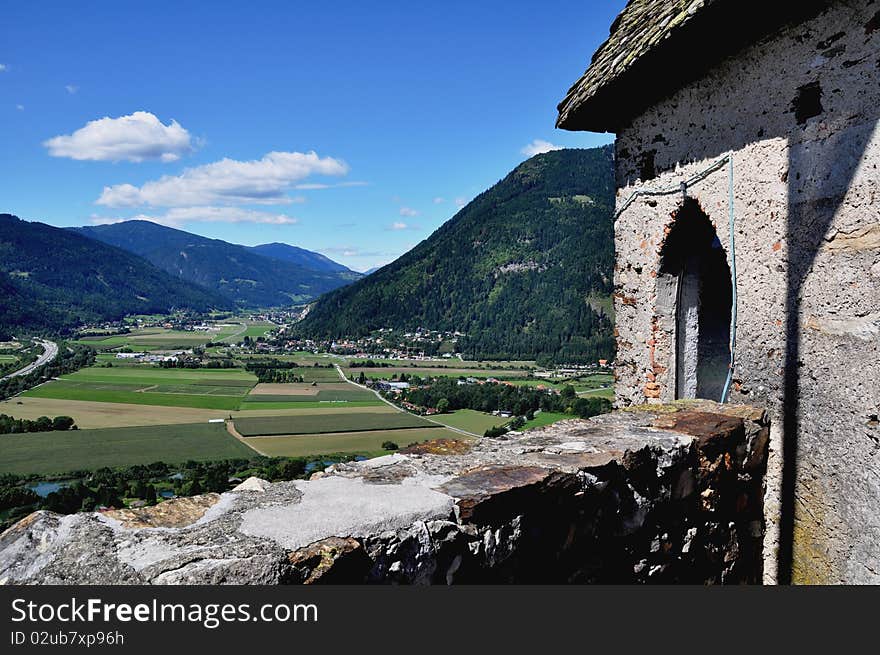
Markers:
(747, 239)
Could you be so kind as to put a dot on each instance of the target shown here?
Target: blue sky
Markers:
(204, 116)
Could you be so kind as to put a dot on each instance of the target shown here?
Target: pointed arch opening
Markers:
(694, 270)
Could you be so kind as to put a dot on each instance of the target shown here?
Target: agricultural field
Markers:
(49, 453)
(364, 443)
(249, 406)
(219, 389)
(470, 420)
(312, 395)
(154, 338)
(237, 332)
(351, 421)
(133, 413)
(90, 414)
(321, 386)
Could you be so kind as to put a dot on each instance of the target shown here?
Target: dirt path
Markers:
(230, 428)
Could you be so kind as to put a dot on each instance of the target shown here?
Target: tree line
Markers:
(11, 425)
(448, 394)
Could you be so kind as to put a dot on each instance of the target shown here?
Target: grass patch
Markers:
(255, 406)
(156, 375)
(47, 453)
(470, 420)
(65, 391)
(196, 388)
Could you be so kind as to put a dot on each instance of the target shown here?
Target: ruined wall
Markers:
(666, 494)
(799, 112)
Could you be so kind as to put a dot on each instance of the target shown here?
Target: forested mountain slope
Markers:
(52, 278)
(247, 277)
(525, 269)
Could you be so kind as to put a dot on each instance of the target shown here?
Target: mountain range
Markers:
(51, 279)
(525, 269)
(270, 275)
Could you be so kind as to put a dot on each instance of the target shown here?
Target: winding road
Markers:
(50, 352)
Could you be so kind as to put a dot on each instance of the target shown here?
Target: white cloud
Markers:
(180, 215)
(228, 181)
(136, 137)
(460, 202)
(19, 107)
(438, 200)
(3, 68)
(409, 212)
(398, 225)
(71, 88)
(311, 186)
(538, 147)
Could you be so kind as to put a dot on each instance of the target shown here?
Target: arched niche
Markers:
(695, 293)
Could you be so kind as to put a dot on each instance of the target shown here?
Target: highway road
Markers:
(50, 352)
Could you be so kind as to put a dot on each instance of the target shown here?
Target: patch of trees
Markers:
(492, 396)
(11, 425)
(278, 376)
(278, 371)
(218, 362)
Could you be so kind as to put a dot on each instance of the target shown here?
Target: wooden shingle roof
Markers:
(655, 46)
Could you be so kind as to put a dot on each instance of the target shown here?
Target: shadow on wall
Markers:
(830, 126)
(818, 178)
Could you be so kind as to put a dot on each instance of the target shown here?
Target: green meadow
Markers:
(198, 388)
(48, 453)
(470, 420)
(324, 423)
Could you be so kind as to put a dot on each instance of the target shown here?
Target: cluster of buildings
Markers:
(152, 357)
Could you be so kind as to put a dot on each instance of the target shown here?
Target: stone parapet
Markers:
(666, 493)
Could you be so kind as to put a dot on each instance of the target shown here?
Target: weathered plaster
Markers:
(799, 113)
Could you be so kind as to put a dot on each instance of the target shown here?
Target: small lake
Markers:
(43, 489)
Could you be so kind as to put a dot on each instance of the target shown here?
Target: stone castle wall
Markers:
(799, 112)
